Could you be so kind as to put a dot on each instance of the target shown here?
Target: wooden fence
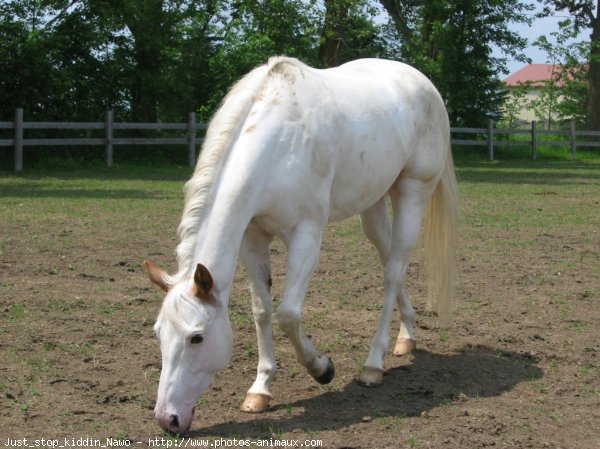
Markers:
(490, 142)
(189, 135)
(190, 139)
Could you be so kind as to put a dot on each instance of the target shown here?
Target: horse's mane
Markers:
(221, 132)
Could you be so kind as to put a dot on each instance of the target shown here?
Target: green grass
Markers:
(530, 193)
(16, 312)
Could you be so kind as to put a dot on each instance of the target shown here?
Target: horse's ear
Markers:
(203, 281)
(157, 276)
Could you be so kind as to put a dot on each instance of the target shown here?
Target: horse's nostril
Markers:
(174, 421)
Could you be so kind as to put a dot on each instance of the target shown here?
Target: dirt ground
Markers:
(519, 367)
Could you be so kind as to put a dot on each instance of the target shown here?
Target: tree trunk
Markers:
(334, 29)
(146, 21)
(144, 95)
(593, 100)
(397, 11)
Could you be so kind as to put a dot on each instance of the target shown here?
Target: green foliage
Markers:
(253, 31)
(451, 42)
(564, 96)
(156, 60)
(514, 102)
(349, 32)
(585, 14)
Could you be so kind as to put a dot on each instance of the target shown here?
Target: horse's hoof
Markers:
(371, 377)
(255, 403)
(405, 346)
(328, 375)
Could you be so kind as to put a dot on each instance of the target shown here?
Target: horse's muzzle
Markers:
(173, 423)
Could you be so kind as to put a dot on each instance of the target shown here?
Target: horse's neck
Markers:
(220, 235)
(234, 199)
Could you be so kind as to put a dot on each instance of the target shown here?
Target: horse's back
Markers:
(343, 136)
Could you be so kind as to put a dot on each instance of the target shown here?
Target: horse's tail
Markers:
(441, 241)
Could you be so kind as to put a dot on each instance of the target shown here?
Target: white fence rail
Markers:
(191, 140)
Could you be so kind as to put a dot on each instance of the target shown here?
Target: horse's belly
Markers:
(362, 178)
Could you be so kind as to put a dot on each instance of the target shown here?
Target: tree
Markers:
(451, 42)
(156, 38)
(322, 35)
(21, 85)
(582, 12)
(250, 32)
(348, 32)
(514, 103)
(545, 105)
(563, 95)
(574, 80)
(57, 62)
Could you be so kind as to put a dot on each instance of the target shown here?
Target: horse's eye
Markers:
(196, 339)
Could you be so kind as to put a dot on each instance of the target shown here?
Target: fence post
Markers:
(18, 125)
(534, 140)
(573, 141)
(108, 128)
(192, 139)
(490, 139)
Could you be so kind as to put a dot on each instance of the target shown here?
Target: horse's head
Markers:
(195, 341)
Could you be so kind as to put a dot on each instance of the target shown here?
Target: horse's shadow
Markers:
(432, 380)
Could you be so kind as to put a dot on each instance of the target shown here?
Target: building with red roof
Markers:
(535, 77)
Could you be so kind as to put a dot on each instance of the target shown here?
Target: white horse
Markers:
(290, 149)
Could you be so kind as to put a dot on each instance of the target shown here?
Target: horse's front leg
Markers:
(303, 245)
(254, 254)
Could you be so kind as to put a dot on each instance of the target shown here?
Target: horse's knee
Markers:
(262, 316)
(289, 320)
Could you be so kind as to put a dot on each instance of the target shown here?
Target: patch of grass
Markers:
(50, 345)
(413, 441)
(394, 422)
(240, 318)
(16, 312)
(275, 432)
(249, 349)
(107, 309)
(577, 325)
(586, 370)
(289, 407)
(64, 306)
(37, 367)
(445, 335)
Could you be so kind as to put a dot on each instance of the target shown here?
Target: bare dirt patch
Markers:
(519, 368)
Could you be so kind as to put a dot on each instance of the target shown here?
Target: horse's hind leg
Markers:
(303, 245)
(408, 197)
(254, 254)
(377, 226)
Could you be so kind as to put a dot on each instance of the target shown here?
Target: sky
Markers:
(539, 27)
